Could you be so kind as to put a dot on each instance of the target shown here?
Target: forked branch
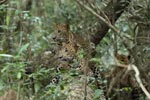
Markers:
(137, 76)
(118, 9)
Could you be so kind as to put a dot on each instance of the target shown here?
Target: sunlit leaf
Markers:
(19, 75)
(97, 60)
(6, 55)
(97, 94)
(23, 48)
(4, 69)
(37, 87)
(1, 84)
(7, 20)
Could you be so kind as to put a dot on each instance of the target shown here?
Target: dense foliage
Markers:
(30, 62)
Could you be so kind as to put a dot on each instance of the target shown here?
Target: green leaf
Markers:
(23, 48)
(98, 93)
(62, 86)
(2, 84)
(7, 20)
(19, 75)
(97, 60)
(37, 87)
(81, 53)
(6, 55)
(127, 89)
(4, 69)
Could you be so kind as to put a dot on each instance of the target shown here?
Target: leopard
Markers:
(70, 46)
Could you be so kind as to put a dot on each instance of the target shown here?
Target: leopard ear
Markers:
(55, 25)
(66, 26)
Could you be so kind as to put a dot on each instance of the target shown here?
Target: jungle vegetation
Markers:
(74, 49)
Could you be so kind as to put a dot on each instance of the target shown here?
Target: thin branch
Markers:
(98, 16)
(85, 63)
(3, 1)
(137, 76)
(91, 5)
(103, 20)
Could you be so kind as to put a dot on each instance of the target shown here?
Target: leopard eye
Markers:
(59, 31)
(60, 57)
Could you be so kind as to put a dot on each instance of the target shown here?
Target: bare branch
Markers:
(98, 16)
(97, 37)
(137, 76)
(3, 1)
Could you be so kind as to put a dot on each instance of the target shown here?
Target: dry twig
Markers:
(137, 76)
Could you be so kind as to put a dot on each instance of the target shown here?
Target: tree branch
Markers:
(112, 10)
(2, 1)
(137, 76)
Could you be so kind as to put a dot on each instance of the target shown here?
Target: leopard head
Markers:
(61, 32)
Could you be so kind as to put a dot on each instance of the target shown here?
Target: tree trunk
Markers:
(113, 12)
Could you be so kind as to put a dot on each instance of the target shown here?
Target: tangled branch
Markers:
(107, 22)
(137, 76)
